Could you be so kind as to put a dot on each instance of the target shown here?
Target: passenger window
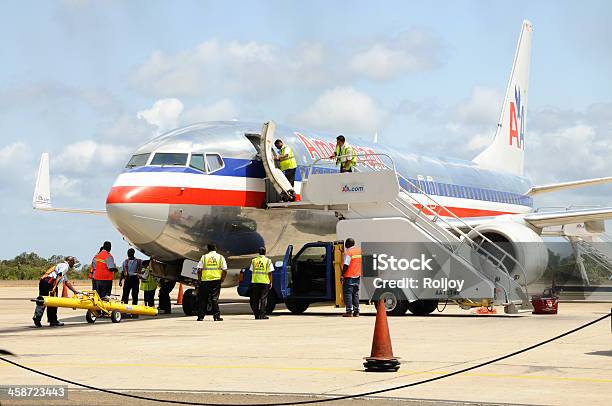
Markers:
(171, 159)
(214, 162)
(138, 160)
(197, 162)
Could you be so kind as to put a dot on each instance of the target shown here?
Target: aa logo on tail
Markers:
(517, 121)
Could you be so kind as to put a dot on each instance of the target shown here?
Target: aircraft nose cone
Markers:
(139, 221)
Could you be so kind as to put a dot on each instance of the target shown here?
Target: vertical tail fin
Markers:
(506, 152)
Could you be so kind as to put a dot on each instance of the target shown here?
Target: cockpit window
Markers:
(214, 162)
(138, 160)
(171, 159)
(197, 162)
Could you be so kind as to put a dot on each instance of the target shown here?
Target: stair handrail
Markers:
(420, 212)
(477, 246)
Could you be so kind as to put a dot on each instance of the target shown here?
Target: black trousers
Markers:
(131, 284)
(259, 299)
(149, 298)
(104, 288)
(44, 288)
(290, 175)
(93, 284)
(165, 287)
(208, 296)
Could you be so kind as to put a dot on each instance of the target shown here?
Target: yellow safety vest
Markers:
(212, 267)
(261, 267)
(149, 283)
(287, 162)
(342, 152)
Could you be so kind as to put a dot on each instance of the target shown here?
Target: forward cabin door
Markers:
(277, 178)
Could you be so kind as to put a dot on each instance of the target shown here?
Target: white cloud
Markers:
(410, 52)
(250, 68)
(64, 186)
(13, 154)
(163, 114)
(89, 157)
(482, 108)
(344, 109)
(221, 110)
(16, 166)
(128, 129)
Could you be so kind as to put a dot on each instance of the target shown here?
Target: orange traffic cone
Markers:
(64, 290)
(381, 358)
(179, 299)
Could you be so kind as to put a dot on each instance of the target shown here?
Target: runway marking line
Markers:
(316, 369)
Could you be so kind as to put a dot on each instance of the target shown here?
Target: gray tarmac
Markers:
(316, 355)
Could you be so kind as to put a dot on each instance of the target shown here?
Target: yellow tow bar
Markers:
(95, 306)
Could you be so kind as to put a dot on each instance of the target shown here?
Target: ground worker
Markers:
(287, 164)
(344, 154)
(105, 269)
(261, 283)
(92, 270)
(148, 284)
(47, 286)
(165, 287)
(351, 276)
(131, 270)
(212, 270)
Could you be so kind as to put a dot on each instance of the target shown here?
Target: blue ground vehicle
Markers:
(312, 275)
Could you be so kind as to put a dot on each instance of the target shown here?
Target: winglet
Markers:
(42, 191)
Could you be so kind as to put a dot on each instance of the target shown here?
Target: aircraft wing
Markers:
(541, 220)
(558, 218)
(555, 187)
(42, 192)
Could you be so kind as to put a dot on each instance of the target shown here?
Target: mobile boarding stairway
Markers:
(376, 204)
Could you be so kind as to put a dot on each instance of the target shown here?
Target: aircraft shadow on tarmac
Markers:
(603, 353)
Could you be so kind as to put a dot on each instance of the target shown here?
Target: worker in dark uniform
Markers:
(344, 155)
(351, 276)
(47, 286)
(287, 164)
(165, 287)
(212, 270)
(131, 271)
(261, 283)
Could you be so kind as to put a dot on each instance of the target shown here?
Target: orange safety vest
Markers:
(102, 273)
(354, 268)
(49, 278)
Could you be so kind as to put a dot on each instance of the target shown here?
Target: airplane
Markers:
(212, 182)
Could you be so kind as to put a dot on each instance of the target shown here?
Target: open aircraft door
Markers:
(276, 176)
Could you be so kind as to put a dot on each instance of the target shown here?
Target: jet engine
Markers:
(520, 242)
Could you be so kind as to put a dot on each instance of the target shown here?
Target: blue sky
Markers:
(89, 81)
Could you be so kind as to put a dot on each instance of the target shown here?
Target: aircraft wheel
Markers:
(395, 304)
(423, 307)
(271, 303)
(297, 306)
(91, 317)
(189, 302)
(115, 316)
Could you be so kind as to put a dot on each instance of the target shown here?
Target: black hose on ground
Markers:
(304, 402)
